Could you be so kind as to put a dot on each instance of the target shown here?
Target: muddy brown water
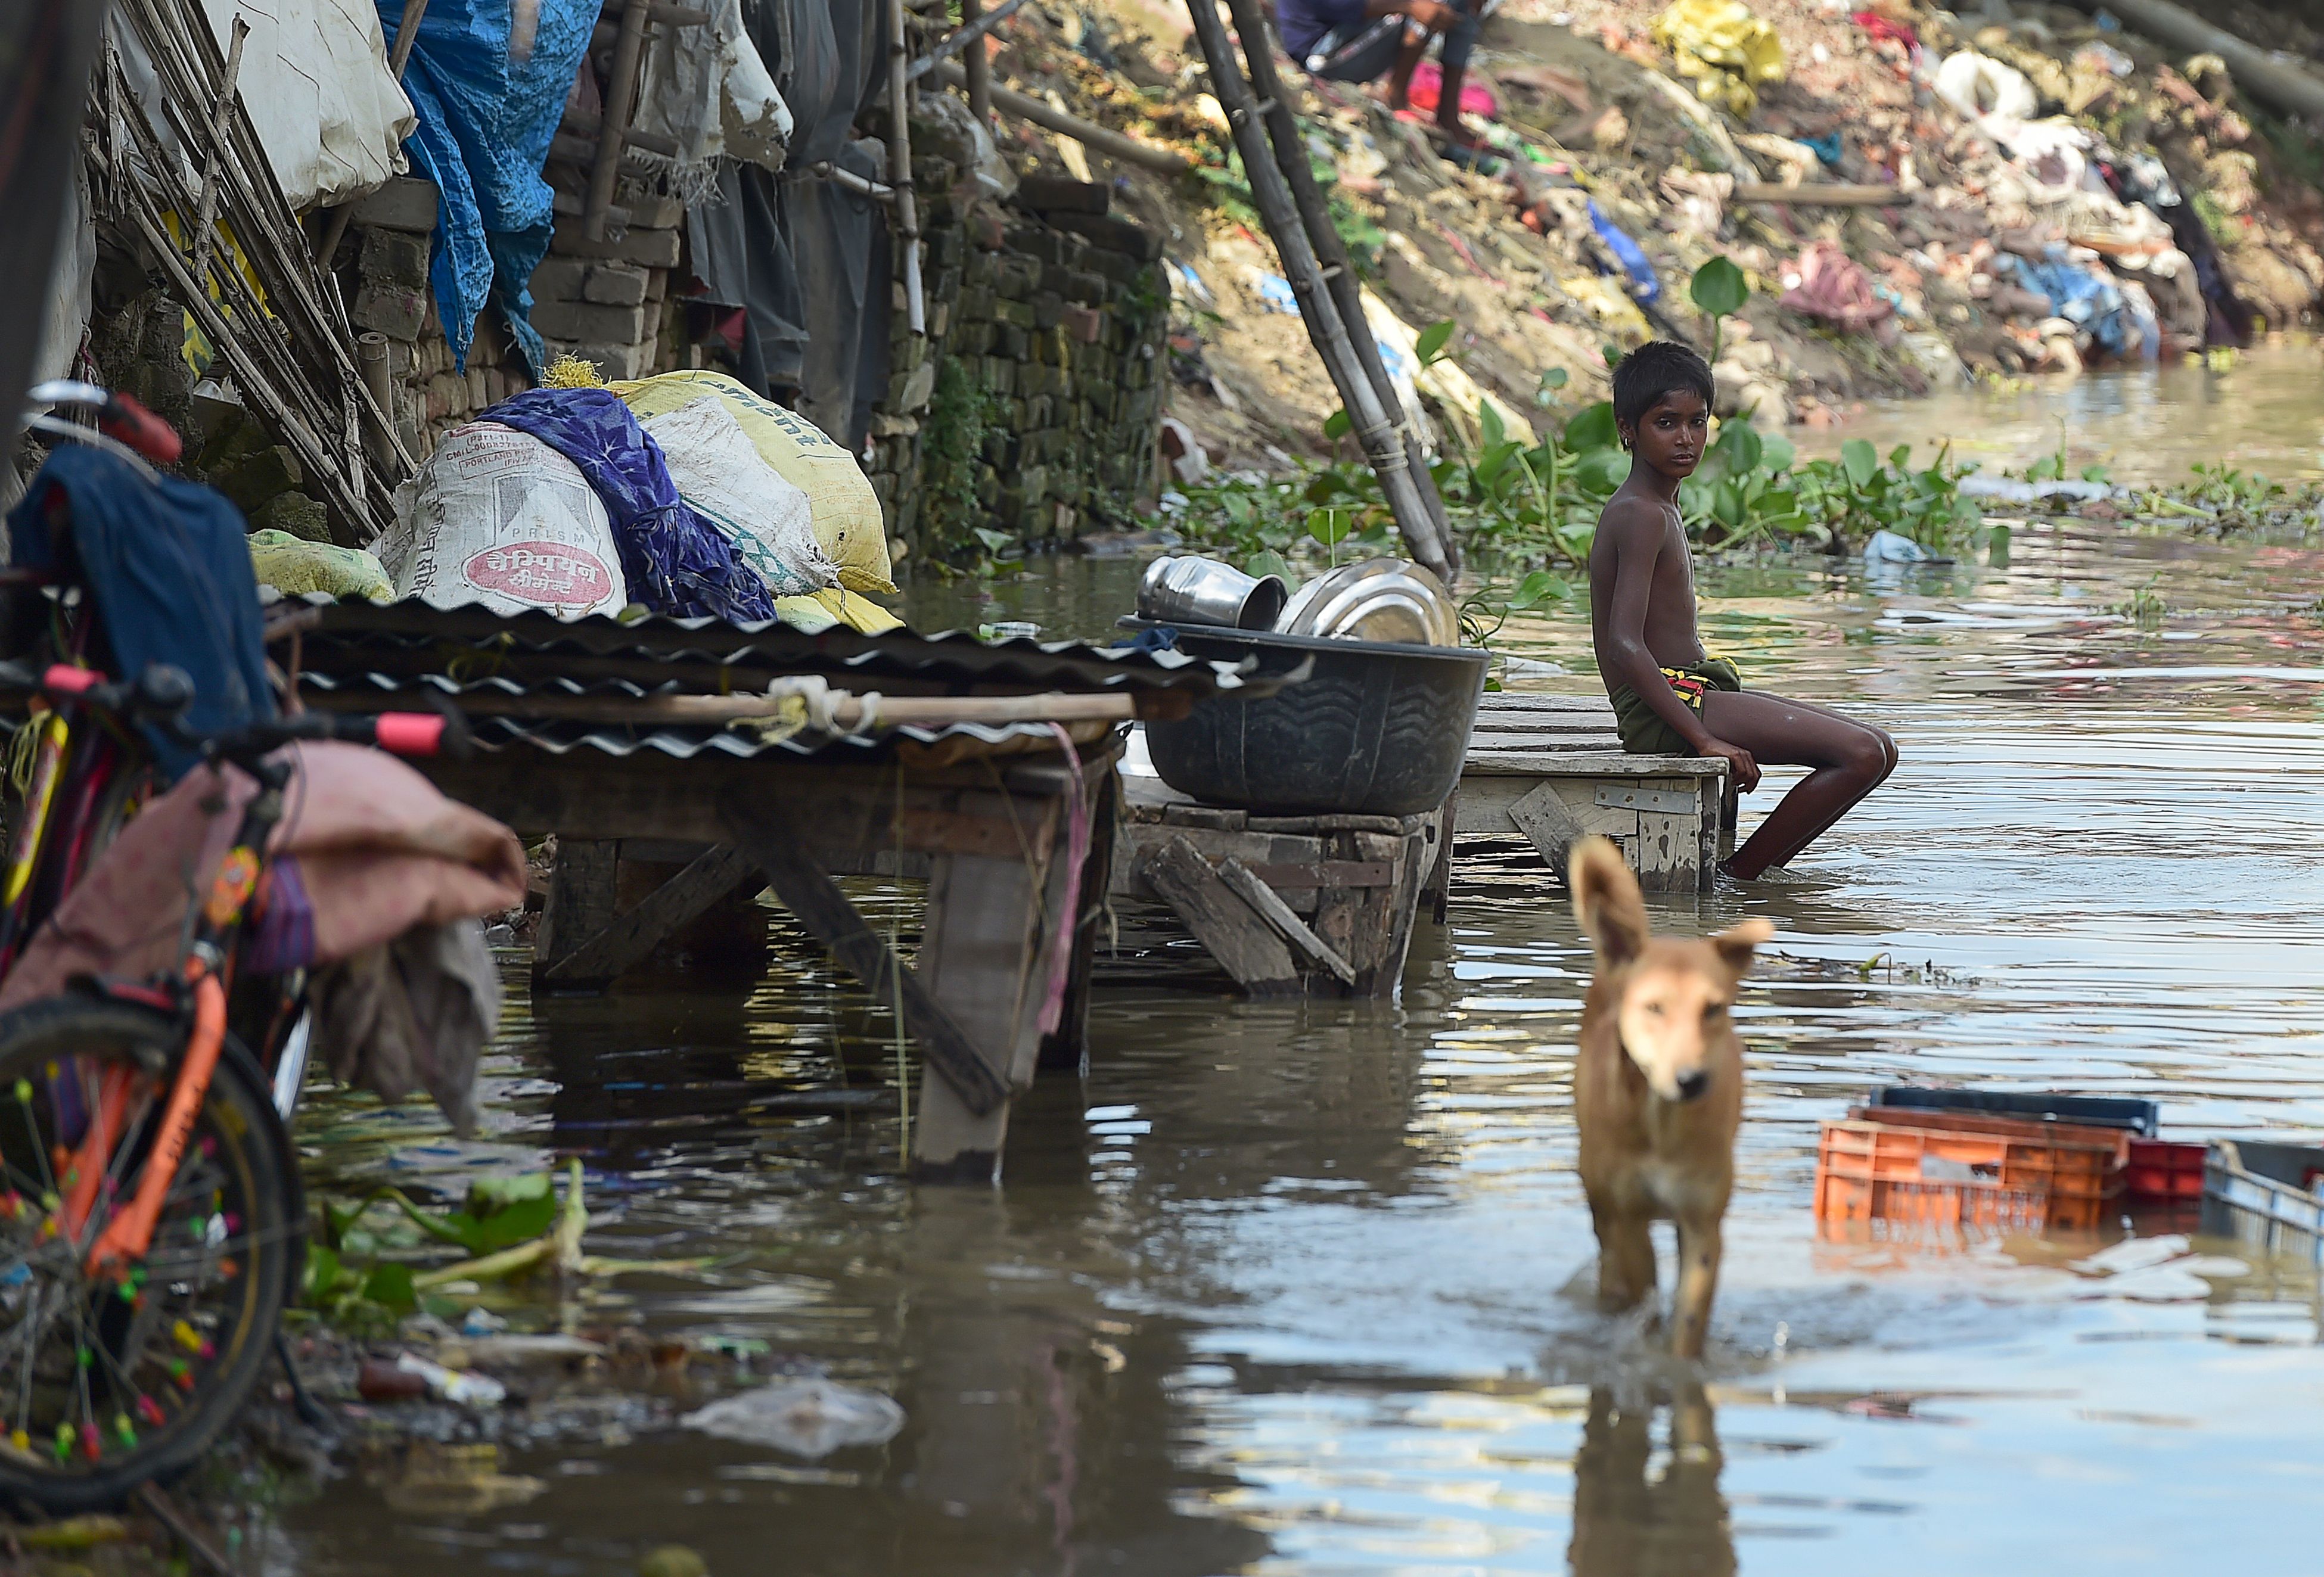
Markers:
(1291, 1287)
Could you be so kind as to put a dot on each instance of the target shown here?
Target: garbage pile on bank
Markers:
(2036, 197)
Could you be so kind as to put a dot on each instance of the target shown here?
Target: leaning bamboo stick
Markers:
(848, 710)
(1821, 194)
(1283, 130)
(1105, 140)
(1383, 446)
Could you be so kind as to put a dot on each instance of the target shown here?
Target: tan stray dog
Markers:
(1657, 1089)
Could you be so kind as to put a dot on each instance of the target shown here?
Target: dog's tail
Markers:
(1606, 899)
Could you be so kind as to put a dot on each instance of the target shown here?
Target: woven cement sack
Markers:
(765, 516)
(497, 516)
(296, 567)
(847, 518)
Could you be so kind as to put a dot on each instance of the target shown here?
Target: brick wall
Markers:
(1030, 406)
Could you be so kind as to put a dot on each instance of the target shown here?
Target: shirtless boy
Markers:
(1670, 697)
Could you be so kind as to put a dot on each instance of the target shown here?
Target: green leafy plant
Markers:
(1719, 290)
(1430, 344)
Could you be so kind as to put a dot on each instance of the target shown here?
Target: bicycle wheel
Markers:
(105, 1384)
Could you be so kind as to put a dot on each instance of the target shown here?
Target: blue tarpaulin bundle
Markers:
(488, 79)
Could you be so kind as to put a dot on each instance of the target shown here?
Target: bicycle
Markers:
(152, 1220)
(82, 783)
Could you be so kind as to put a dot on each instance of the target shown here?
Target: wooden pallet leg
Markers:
(580, 902)
(979, 923)
(1067, 1047)
(1437, 891)
(1670, 852)
(981, 957)
(624, 941)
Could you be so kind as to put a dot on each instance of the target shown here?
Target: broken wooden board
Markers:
(1256, 892)
(1229, 929)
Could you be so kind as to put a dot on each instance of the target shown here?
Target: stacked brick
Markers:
(602, 301)
(1056, 308)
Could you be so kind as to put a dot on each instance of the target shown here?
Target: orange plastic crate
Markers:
(2161, 1169)
(2116, 1141)
(1957, 1177)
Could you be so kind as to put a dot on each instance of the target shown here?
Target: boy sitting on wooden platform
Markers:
(1671, 697)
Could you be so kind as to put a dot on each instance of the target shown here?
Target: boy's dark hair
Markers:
(1659, 367)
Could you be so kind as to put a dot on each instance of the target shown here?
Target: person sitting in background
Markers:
(1356, 41)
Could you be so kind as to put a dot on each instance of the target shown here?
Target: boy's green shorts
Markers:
(1643, 733)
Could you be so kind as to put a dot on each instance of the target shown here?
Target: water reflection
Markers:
(1645, 1489)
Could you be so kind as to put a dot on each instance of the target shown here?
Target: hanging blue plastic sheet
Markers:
(488, 79)
(675, 562)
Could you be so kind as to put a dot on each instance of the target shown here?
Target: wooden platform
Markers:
(995, 840)
(1550, 769)
(1284, 904)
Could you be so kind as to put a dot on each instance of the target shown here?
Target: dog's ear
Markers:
(1737, 944)
(1606, 899)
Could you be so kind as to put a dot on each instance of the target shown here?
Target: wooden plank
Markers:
(1277, 913)
(1669, 851)
(810, 892)
(1067, 1046)
(835, 809)
(981, 959)
(1316, 826)
(1330, 873)
(1403, 914)
(1548, 824)
(1210, 817)
(1484, 806)
(619, 946)
(1228, 927)
(1590, 764)
(1436, 891)
(581, 901)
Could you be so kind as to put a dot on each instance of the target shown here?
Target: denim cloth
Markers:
(170, 570)
(677, 562)
(488, 94)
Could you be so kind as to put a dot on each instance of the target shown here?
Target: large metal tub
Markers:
(1376, 728)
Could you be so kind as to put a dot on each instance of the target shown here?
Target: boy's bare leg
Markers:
(1850, 760)
(1407, 61)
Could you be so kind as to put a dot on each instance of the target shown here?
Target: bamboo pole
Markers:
(1339, 274)
(899, 166)
(848, 711)
(620, 96)
(1382, 445)
(978, 66)
(1103, 139)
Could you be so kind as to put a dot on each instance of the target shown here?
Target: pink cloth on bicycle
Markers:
(380, 851)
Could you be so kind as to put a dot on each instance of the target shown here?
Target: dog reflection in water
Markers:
(1636, 1517)
(1658, 1090)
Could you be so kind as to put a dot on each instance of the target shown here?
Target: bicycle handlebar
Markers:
(118, 415)
(161, 695)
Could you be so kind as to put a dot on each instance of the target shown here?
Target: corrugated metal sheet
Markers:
(413, 627)
(369, 656)
(562, 736)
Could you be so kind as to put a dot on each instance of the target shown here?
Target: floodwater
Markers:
(1291, 1288)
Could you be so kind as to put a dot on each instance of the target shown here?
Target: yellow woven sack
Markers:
(1730, 52)
(847, 518)
(293, 566)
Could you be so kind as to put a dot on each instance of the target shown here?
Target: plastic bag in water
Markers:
(807, 1418)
